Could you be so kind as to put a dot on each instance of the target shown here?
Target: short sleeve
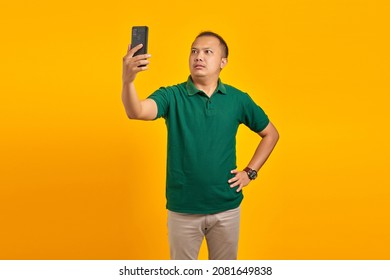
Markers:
(252, 115)
(161, 97)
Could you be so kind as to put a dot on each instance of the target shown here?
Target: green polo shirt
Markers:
(202, 144)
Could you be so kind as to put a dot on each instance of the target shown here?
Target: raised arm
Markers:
(136, 108)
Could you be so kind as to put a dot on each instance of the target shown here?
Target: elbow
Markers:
(270, 133)
(132, 115)
(271, 136)
(276, 136)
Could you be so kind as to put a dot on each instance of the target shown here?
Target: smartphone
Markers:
(139, 35)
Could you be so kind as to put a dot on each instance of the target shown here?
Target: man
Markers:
(204, 186)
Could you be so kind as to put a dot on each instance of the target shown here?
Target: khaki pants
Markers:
(186, 233)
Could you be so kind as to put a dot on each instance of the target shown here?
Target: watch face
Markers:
(252, 174)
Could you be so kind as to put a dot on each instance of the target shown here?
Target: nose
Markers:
(198, 57)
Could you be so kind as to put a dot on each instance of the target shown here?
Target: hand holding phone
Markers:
(136, 59)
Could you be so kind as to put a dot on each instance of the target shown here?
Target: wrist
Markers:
(252, 174)
(127, 83)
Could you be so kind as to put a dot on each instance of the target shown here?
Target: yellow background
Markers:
(81, 181)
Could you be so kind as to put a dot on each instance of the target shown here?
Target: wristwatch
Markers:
(252, 174)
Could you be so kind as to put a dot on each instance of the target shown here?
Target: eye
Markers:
(208, 51)
(194, 51)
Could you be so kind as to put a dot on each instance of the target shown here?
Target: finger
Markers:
(231, 180)
(142, 62)
(239, 188)
(137, 69)
(129, 53)
(128, 59)
(130, 62)
(132, 51)
(142, 56)
(235, 184)
(234, 171)
(141, 67)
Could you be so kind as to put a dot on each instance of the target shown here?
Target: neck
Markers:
(208, 86)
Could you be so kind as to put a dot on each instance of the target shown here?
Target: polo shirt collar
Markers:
(192, 90)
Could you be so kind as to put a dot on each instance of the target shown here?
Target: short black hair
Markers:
(225, 49)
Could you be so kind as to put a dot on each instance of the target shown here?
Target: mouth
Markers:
(199, 66)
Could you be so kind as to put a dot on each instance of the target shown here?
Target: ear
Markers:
(224, 62)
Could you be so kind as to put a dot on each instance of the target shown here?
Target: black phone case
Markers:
(139, 35)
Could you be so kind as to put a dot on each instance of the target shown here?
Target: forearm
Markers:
(263, 150)
(131, 101)
(135, 108)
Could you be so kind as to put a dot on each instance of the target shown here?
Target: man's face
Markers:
(206, 59)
